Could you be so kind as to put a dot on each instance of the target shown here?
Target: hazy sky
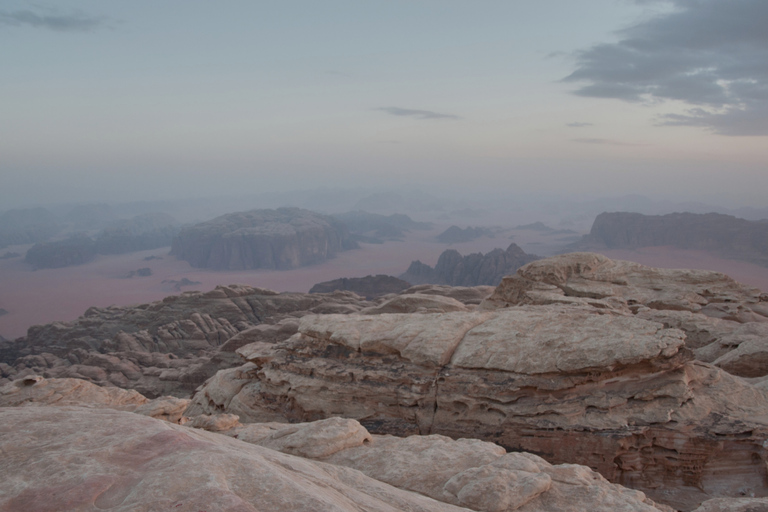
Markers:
(145, 100)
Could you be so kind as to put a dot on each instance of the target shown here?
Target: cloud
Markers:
(418, 114)
(52, 20)
(607, 142)
(578, 125)
(710, 54)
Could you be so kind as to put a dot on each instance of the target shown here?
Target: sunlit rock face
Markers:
(280, 239)
(577, 358)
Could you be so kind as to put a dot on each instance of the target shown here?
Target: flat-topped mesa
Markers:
(281, 239)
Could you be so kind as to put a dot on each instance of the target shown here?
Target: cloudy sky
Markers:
(146, 100)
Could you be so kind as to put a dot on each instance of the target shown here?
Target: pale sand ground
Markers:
(48, 295)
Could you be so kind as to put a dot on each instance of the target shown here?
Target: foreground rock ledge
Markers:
(572, 378)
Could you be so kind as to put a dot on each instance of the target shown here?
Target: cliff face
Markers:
(368, 286)
(148, 231)
(75, 250)
(472, 270)
(577, 358)
(280, 239)
(725, 234)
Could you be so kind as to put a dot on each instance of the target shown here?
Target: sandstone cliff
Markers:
(148, 231)
(576, 358)
(277, 239)
(27, 226)
(724, 234)
(74, 250)
(472, 270)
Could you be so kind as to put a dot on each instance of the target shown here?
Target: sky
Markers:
(140, 100)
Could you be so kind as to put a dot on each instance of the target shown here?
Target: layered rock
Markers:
(276, 239)
(165, 347)
(725, 234)
(561, 361)
(717, 313)
(115, 460)
(472, 270)
(467, 473)
(369, 287)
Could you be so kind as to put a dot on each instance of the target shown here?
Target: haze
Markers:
(142, 100)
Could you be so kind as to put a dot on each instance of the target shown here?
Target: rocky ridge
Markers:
(475, 269)
(576, 358)
(109, 458)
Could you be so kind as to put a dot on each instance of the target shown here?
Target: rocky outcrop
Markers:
(472, 270)
(74, 250)
(167, 347)
(568, 359)
(148, 231)
(276, 239)
(470, 474)
(724, 234)
(27, 226)
(369, 287)
(120, 461)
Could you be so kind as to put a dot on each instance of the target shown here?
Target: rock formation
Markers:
(165, 347)
(472, 270)
(107, 458)
(277, 239)
(369, 287)
(27, 226)
(74, 250)
(726, 235)
(576, 358)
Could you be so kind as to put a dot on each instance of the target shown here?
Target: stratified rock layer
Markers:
(561, 361)
(280, 239)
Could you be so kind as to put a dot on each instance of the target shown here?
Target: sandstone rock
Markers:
(279, 239)
(168, 347)
(35, 390)
(416, 303)
(114, 460)
(27, 226)
(166, 408)
(734, 505)
(146, 231)
(469, 295)
(708, 306)
(369, 287)
(455, 234)
(471, 270)
(613, 392)
(471, 473)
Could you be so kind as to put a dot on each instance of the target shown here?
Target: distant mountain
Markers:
(726, 235)
(74, 250)
(472, 270)
(27, 226)
(376, 228)
(281, 239)
(148, 231)
(455, 235)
